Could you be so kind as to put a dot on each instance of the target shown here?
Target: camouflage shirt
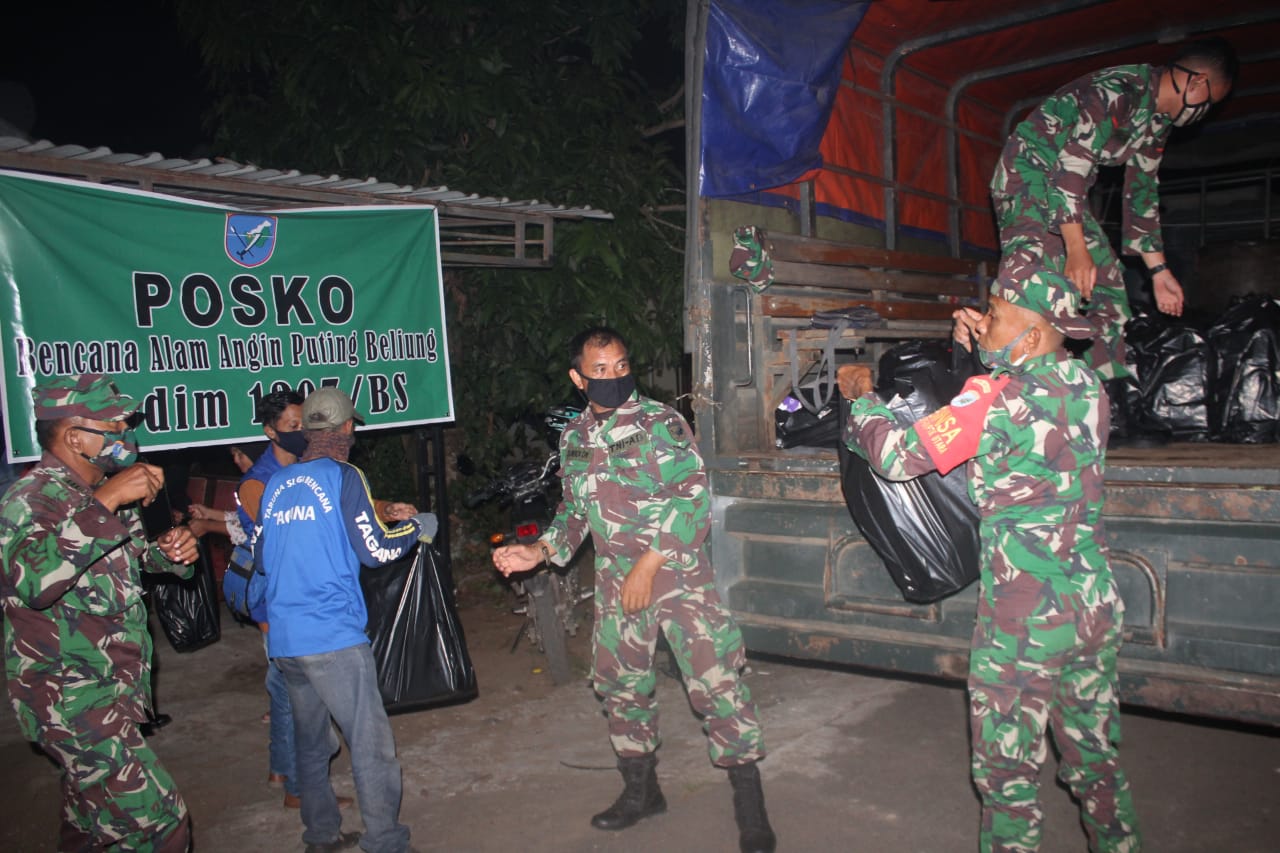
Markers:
(77, 650)
(1037, 477)
(1107, 118)
(636, 482)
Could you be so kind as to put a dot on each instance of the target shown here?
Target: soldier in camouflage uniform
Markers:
(1040, 189)
(77, 649)
(634, 479)
(1049, 615)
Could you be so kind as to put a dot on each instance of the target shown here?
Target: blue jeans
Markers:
(344, 684)
(283, 756)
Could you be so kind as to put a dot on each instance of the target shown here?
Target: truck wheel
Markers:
(543, 601)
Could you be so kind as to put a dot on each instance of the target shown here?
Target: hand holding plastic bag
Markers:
(428, 525)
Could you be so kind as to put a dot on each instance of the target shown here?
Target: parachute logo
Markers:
(250, 238)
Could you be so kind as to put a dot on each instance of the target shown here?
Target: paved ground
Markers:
(858, 763)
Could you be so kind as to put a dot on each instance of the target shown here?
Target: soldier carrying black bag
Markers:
(1033, 435)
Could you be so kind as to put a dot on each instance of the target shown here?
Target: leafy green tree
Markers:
(551, 100)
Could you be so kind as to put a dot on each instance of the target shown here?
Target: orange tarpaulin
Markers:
(1089, 35)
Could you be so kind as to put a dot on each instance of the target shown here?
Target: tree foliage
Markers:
(510, 98)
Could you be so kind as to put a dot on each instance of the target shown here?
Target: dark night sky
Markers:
(119, 75)
(113, 74)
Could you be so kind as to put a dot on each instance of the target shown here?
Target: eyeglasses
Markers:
(1191, 72)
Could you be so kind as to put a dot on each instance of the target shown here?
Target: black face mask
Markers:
(292, 442)
(611, 393)
(1190, 113)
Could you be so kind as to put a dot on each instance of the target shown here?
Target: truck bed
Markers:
(1197, 462)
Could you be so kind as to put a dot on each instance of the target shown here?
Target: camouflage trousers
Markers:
(707, 646)
(1026, 244)
(1032, 673)
(117, 795)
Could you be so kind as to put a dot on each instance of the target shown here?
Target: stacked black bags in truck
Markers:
(1220, 384)
(1246, 399)
(1173, 366)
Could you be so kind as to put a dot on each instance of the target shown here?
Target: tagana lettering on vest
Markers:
(295, 513)
(382, 555)
(310, 482)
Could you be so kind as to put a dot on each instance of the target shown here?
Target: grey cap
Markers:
(328, 408)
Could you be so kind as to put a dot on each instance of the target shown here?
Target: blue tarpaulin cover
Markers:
(770, 78)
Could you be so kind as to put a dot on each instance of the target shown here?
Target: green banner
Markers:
(200, 310)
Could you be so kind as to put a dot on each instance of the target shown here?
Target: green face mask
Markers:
(119, 449)
(999, 359)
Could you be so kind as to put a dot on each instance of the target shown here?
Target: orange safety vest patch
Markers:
(952, 433)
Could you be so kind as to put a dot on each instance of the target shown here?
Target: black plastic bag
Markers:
(917, 372)
(809, 415)
(1246, 399)
(1173, 364)
(416, 635)
(796, 426)
(187, 609)
(925, 530)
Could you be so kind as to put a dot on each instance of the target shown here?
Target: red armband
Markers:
(951, 434)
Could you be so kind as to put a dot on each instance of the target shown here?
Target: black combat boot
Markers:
(639, 799)
(155, 722)
(754, 833)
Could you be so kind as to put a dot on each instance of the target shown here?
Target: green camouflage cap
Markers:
(88, 395)
(1048, 294)
(326, 408)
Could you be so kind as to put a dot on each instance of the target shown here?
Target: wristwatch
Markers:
(546, 552)
(1157, 268)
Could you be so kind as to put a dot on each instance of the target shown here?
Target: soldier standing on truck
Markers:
(1117, 116)
(1049, 617)
(634, 479)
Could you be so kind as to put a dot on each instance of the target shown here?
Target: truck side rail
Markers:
(914, 295)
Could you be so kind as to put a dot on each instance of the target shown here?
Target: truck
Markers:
(856, 142)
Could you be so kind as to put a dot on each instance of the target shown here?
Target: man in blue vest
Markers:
(318, 525)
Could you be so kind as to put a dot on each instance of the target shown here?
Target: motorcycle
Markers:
(531, 488)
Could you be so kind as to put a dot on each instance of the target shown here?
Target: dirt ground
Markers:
(857, 762)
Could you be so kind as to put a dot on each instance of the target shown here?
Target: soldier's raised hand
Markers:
(966, 327)
(138, 482)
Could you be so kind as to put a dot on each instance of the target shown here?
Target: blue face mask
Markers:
(999, 359)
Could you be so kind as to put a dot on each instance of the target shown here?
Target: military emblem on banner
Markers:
(250, 238)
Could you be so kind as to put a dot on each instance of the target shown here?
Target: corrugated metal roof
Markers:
(368, 189)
